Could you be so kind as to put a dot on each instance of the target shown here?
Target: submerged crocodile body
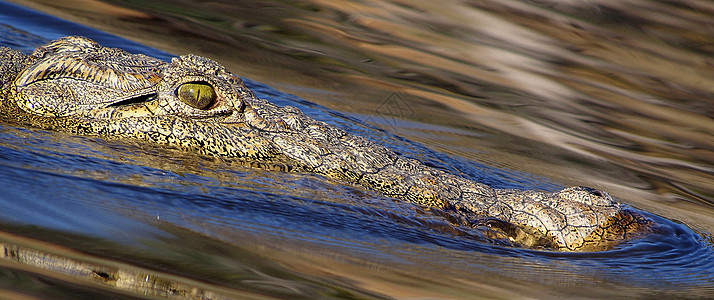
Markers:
(193, 103)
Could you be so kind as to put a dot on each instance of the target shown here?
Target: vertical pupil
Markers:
(198, 95)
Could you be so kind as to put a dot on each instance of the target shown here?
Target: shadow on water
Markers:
(78, 212)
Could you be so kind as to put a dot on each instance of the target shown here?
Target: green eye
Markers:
(199, 95)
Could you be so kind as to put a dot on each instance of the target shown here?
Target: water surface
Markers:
(530, 95)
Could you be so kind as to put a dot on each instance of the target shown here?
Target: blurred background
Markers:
(616, 95)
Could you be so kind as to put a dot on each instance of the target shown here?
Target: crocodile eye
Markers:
(199, 95)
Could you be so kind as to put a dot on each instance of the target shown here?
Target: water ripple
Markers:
(625, 109)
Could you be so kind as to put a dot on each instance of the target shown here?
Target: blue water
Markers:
(127, 193)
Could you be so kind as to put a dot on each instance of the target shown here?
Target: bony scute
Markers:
(239, 125)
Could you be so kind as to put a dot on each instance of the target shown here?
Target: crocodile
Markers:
(193, 103)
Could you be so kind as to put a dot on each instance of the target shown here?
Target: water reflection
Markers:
(579, 83)
(610, 95)
(133, 280)
(152, 202)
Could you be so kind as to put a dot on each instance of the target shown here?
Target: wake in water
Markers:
(113, 191)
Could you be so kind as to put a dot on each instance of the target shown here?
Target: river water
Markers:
(516, 94)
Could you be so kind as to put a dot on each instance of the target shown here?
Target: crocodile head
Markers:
(76, 85)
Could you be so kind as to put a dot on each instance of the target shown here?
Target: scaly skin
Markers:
(75, 85)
